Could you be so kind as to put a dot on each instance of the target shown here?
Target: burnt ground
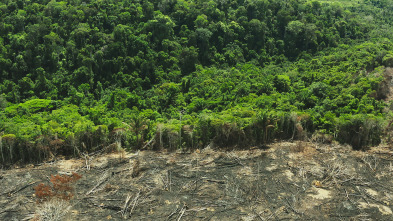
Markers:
(285, 181)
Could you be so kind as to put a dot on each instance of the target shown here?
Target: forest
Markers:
(82, 76)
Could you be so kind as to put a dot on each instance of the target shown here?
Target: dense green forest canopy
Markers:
(80, 75)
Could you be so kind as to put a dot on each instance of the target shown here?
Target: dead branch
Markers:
(216, 181)
(125, 207)
(112, 200)
(390, 153)
(166, 186)
(121, 171)
(169, 180)
(259, 215)
(103, 179)
(385, 187)
(87, 160)
(370, 196)
(237, 159)
(135, 202)
(292, 207)
(182, 211)
(173, 213)
(338, 173)
(148, 143)
(274, 214)
(362, 195)
(115, 208)
(371, 163)
(347, 196)
(10, 209)
(29, 217)
(18, 189)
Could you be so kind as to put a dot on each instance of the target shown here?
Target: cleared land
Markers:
(284, 181)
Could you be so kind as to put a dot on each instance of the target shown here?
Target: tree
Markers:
(161, 27)
(137, 125)
(203, 36)
(187, 60)
(3, 102)
(294, 37)
(81, 34)
(201, 21)
(256, 37)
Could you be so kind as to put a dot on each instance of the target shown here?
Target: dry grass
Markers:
(298, 148)
(53, 210)
(338, 173)
(371, 162)
(302, 150)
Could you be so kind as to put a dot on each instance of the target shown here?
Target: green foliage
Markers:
(282, 83)
(359, 130)
(36, 105)
(77, 76)
(3, 102)
(388, 60)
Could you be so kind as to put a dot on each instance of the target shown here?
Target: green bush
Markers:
(360, 131)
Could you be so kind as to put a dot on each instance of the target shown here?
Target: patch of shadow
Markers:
(347, 209)
(223, 161)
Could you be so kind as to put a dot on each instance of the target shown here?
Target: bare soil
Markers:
(284, 181)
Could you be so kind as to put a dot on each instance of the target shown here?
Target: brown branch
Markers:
(148, 143)
(103, 179)
(18, 189)
(115, 208)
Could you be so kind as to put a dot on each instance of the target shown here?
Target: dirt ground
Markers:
(284, 181)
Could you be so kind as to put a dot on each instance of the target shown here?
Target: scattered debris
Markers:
(287, 181)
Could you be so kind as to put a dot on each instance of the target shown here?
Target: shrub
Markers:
(8, 141)
(43, 192)
(53, 210)
(388, 60)
(359, 131)
(59, 188)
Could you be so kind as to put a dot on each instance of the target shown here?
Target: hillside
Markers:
(79, 76)
(284, 181)
(196, 109)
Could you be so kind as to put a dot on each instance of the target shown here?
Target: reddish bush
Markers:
(43, 192)
(60, 187)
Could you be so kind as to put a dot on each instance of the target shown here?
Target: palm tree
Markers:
(137, 125)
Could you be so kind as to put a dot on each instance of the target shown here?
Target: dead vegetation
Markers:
(287, 181)
(53, 210)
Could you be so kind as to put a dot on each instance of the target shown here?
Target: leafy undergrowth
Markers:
(284, 181)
